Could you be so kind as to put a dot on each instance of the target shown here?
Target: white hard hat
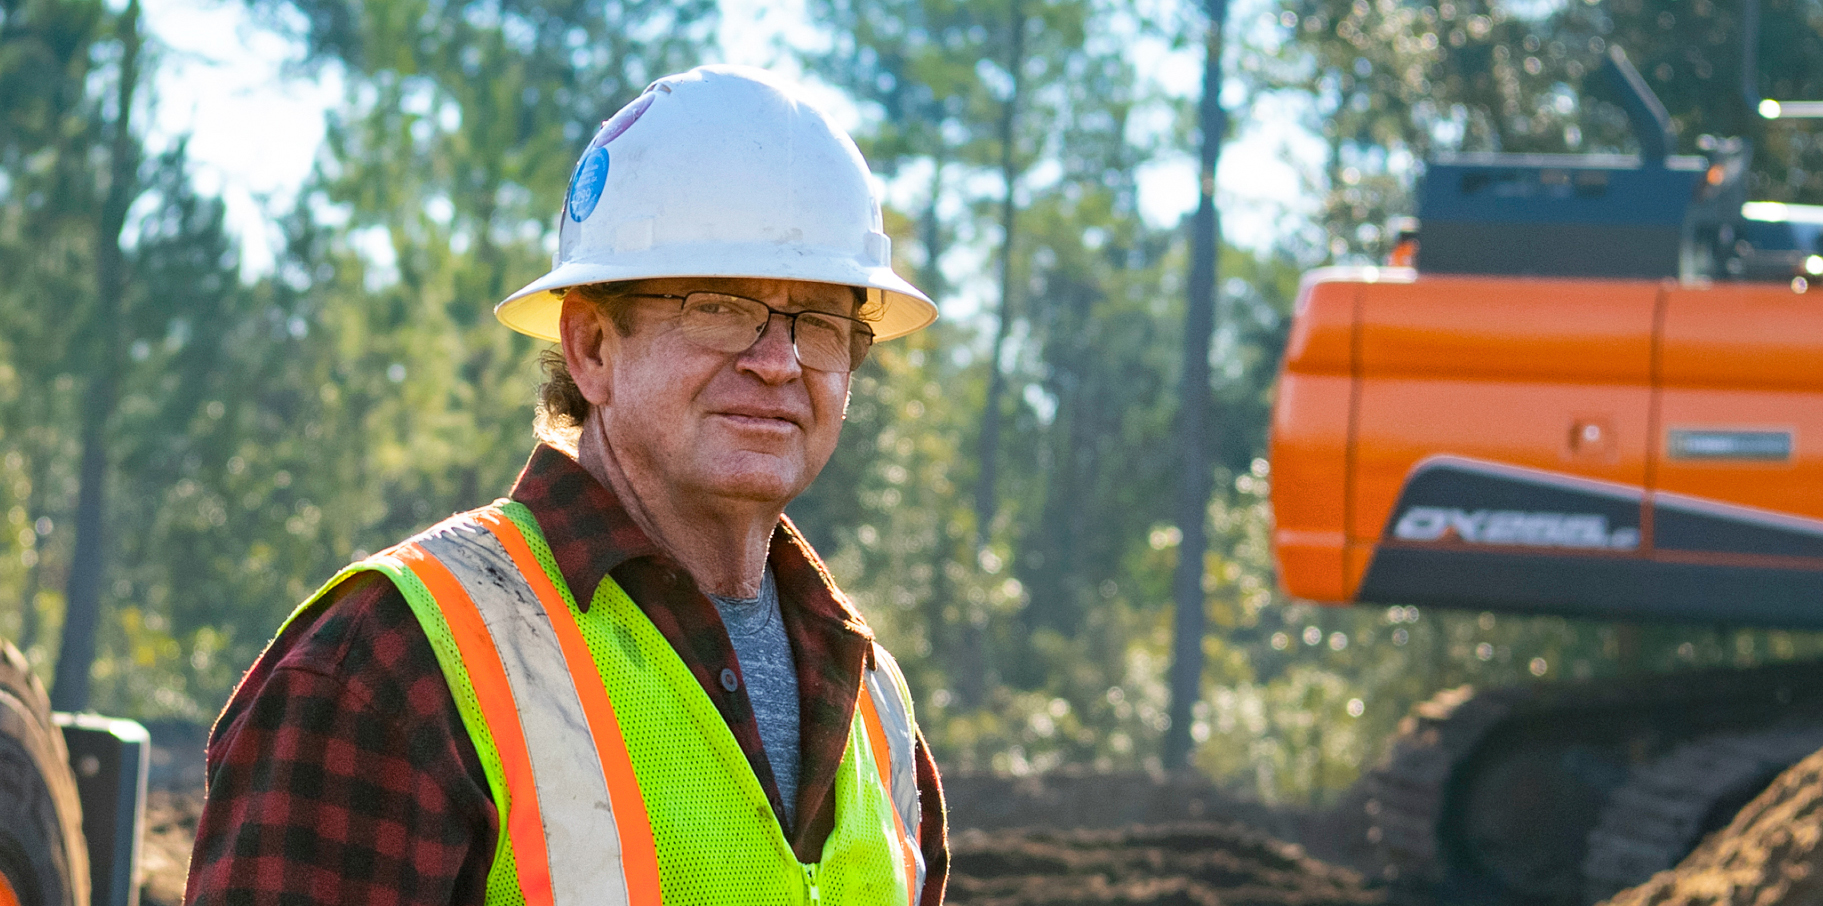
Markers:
(722, 171)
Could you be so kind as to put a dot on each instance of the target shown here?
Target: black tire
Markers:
(42, 852)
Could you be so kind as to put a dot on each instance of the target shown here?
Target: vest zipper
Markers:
(810, 878)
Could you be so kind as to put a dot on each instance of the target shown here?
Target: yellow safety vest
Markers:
(616, 779)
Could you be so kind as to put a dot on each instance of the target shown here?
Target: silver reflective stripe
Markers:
(580, 835)
(892, 701)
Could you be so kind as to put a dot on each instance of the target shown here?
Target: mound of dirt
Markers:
(1770, 855)
(1187, 864)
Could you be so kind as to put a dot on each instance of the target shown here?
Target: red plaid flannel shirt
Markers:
(341, 772)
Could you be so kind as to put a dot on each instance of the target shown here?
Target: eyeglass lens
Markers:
(824, 341)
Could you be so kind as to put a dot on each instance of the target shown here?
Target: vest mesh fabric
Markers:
(861, 862)
(717, 839)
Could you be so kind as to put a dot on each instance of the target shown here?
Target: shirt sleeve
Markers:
(933, 828)
(339, 778)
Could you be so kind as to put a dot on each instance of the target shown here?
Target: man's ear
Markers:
(588, 341)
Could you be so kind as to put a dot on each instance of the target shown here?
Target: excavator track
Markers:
(1515, 794)
(1406, 794)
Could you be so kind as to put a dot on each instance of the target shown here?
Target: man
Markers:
(632, 681)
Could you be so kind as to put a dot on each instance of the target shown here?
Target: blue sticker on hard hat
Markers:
(585, 186)
(592, 171)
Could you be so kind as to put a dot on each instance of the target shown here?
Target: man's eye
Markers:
(718, 306)
(814, 324)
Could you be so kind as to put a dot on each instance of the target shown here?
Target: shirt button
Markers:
(729, 681)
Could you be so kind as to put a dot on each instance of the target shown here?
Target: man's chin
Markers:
(751, 485)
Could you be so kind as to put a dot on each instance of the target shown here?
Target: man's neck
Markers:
(722, 544)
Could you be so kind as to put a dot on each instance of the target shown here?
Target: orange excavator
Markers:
(1589, 386)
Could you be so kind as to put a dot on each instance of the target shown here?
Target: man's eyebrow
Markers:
(834, 303)
(840, 300)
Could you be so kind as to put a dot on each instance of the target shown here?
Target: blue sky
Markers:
(254, 128)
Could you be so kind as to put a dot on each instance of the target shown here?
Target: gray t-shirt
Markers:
(758, 632)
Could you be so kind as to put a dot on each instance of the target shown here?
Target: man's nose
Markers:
(773, 358)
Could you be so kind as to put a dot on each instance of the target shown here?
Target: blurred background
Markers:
(248, 255)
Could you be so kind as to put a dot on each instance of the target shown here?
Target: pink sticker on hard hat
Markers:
(620, 122)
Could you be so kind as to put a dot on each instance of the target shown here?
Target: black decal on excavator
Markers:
(1585, 531)
(1472, 534)
(1682, 523)
(1465, 501)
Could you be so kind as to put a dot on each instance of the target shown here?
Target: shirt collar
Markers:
(590, 533)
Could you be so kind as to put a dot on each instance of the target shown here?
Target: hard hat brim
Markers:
(534, 310)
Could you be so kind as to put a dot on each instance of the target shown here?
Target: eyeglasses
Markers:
(728, 323)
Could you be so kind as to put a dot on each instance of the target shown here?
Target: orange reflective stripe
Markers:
(7, 896)
(876, 739)
(638, 851)
(523, 822)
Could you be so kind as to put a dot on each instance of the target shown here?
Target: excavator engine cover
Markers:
(1631, 449)
(1548, 214)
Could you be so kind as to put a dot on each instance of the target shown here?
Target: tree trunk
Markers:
(1196, 478)
(985, 497)
(930, 231)
(34, 510)
(70, 687)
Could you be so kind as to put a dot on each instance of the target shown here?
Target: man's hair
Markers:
(561, 405)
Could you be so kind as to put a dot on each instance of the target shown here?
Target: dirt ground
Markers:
(1072, 837)
(1190, 864)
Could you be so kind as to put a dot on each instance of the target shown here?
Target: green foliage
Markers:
(269, 432)
(1389, 82)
